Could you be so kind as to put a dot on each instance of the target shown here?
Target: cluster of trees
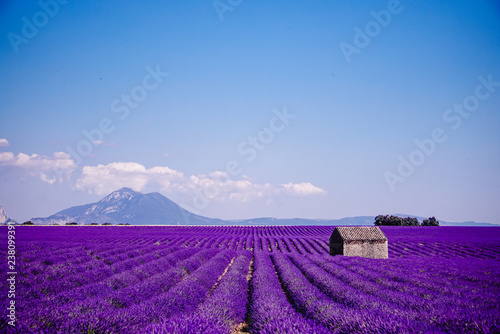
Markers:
(430, 222)
(387, 220)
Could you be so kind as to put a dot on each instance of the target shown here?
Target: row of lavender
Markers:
(97, 262)
(403, 242)
(188, 286)
(117, 233)
(180, 284)
(206, 291)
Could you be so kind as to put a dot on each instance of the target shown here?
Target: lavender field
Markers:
(81, 279)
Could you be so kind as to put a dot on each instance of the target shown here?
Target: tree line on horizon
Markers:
(390, 220)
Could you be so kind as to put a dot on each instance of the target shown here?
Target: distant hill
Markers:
(126, 206)
(360, 220)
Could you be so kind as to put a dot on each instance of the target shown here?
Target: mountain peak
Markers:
(4, 219)
(122, 194)
(3, 216)
(125, 190)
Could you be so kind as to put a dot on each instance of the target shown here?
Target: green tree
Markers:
(430, 222)
(408, 221)
(387, 220)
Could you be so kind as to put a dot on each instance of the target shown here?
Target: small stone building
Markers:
(364, 241)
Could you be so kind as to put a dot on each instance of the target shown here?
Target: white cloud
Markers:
(302, 189)
(6, 156)
(103, 179)
(214, 186)
(48, 168)
(103, 143)
(219, 186)
(4, 142)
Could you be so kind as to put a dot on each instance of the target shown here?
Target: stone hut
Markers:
(364, 241)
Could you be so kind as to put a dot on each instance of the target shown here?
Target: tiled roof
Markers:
(360, 233)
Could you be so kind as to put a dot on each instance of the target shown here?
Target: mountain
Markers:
(3, 216)
(4, 219)
(128, 206)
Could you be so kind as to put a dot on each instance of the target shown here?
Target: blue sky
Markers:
(242, 109)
